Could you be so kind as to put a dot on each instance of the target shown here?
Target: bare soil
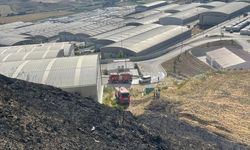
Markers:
(185, 66)
(217, 102)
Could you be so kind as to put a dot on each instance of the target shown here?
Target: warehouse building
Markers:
(73, 74)
(149, 19)
(166, 7)
(85, 30)
(142, 14)
(106, 34)
(223, 13)
(213, 4)
(183, 7)
(8, 39)
(151, 12)
(183, 17)
(147, 42)
(121, 36)
(36, 51)
(149, 6)
(14, 25)
(225, 58)
(76, 27)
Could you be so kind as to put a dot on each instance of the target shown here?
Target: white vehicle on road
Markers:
(145, 79)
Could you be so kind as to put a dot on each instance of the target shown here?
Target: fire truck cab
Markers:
(124, 77)
(114, 78)
(122, 95)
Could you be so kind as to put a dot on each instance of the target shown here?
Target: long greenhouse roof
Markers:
(59, 72)
(130, 32)
(232, 7)
(150, 38)
(37, 47)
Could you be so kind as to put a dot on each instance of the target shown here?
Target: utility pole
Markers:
(123, 53)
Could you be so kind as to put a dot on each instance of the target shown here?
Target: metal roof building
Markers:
(223, 13)
(73, 74)
(86, 30)
(143, 14)
(167, 7)
(148, 6)
(225, 58)
(8, 39)
(14, 25)
(106, 34)
(183, 17)
(147, 42)
(183, 7)
(212, 4)
(120, 36)
(75, 27)
(149, 19)
(34, 52)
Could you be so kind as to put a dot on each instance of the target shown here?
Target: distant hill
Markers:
(33, 6)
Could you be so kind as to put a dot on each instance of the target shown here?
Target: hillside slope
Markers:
(218, 102)
(36, 116)
(41, 117)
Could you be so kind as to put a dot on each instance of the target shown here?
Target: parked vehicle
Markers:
(124, 77)
(122, 95)
(145, 79)
(113, 78)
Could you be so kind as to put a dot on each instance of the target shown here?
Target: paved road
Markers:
(153, 67)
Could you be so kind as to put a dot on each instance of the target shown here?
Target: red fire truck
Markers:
(124, 77)
(122, 95)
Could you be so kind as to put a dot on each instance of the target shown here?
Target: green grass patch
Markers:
(109, 99)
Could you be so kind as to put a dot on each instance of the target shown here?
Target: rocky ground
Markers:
(42, 117)
(35, 116)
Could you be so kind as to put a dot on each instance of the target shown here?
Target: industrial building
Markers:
(183, 7)
(8, 39)
(212, 4)
(142, 14)
(151, 12)
(36, 51)
(184, 17)
(225, 58)
(223, 13)
(149, 6)
(147, 42)
(106, 34)
(76, 27)
(121, 36)
(166, 8)
(149, 19)
(73, 74)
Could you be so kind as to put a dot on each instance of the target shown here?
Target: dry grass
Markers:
(138, 100)
(33, 17)
(220, 102)
(185, 65)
